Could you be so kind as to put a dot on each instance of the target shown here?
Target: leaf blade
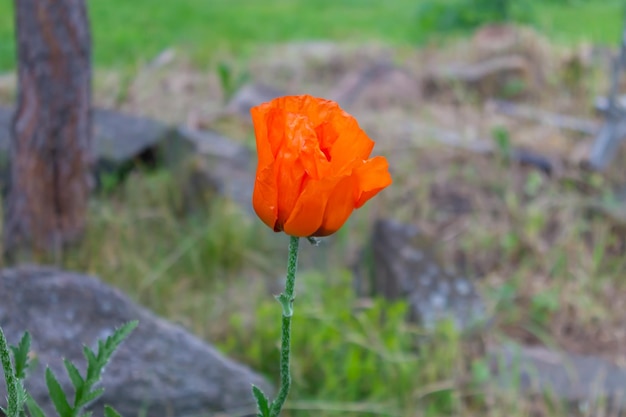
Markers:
(57, 395)
(20, 356)
(74, 374)
(33, 408)
(262, 401)
(110, 412)
(88, 397)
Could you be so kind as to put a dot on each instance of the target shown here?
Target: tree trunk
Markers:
(51, 130)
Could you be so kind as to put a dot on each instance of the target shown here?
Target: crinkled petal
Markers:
(316, 109)
(352, 144)
(265, 196)
(314, 161)
(289, 179)
(339, 207)
(371, 177)
(296, 156)
(308, 212)
(259, 119)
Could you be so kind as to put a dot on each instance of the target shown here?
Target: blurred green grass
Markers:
(593, 21)
(126, 32)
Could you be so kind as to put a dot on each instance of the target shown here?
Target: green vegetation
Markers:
(461, 15)
(595, 21)
(16, 361)
(361, 360)
(215, 273)
(128, 32)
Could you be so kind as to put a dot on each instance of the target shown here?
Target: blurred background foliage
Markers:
(127, 32)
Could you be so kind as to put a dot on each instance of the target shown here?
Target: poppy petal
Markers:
(352, 144)
(308, 212)
(371, 177)
(338, 208)
(265, 196)
(298, 158)
(264, 149)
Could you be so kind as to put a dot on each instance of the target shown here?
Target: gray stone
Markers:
(161, 370)
(582, 381)
(403, 266)
(250, 95)
(206, 162)
(120, 137)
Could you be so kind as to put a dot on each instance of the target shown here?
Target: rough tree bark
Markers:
(51, 145)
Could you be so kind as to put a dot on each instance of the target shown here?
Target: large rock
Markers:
(161, 369)
(403, 266)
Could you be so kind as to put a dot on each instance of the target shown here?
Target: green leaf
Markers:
(112, 342)
(105, 350)
(95, 364)
(89, 397)
(57, 395)
(110, 412)
(33, 408)
(20, 356)
(286, 303)
(262, 401)
(92, 363)
(72, 371)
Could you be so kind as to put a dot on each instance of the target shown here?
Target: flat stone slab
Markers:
(119, 137)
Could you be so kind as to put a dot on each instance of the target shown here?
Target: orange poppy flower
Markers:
(313, 167)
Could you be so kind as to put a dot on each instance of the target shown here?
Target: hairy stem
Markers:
(13, 388)
(286, 301)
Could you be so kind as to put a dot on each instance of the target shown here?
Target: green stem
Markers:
(286, 301)
(13, 389)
